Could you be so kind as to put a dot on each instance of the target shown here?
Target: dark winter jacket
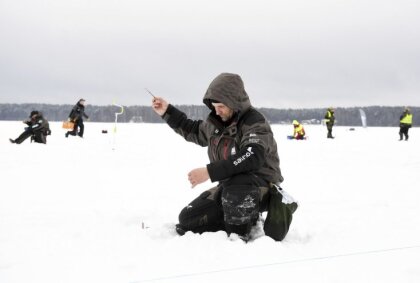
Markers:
(78, 112)
(245, 145)
(38, 125)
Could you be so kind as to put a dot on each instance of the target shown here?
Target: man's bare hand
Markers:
(198, 176)
(159, 105)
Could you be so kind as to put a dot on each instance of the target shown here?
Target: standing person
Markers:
(330, 119)
(38, 129)
(298, 131)
(406, 120)
(76, 115)
(243, 159)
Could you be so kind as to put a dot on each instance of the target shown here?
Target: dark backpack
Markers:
(280, 213)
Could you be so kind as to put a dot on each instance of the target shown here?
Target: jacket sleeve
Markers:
(247, 159)
(253, 149)
(39, 125)
(192, 130)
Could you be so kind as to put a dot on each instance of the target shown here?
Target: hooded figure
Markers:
(298, 131)
(38, 129)
(243, 159)
(76, 115)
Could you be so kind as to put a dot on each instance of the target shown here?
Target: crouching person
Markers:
(243, 160)
(38, 129)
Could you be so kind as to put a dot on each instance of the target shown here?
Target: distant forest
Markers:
(377, 116)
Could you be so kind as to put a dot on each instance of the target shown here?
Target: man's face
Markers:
(224, 112)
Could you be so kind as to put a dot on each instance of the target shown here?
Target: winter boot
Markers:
(180, 229)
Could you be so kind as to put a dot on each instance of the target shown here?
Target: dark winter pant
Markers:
(37, 136)
(77, 124)
(329, 128)
(233, 206)
(404, 131)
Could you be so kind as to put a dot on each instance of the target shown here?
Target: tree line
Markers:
(377, 116)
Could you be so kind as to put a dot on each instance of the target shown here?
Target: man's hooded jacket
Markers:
(245, 144)
(38, 124)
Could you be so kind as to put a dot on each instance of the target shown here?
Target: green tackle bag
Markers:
(280, 210)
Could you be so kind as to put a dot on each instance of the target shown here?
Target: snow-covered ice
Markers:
(75, 210)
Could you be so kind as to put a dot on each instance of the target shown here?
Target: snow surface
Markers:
(75, 210)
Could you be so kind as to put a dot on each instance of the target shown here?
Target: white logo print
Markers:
(243, 157)
(253, 138)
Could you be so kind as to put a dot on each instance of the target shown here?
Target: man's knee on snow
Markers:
(203, 214)
(193, 209)
(240, 204)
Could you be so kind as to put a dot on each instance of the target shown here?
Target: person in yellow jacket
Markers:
(298, 131)
(329, 119)
(406, 120)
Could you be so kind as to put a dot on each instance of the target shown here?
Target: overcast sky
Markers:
(290, 53)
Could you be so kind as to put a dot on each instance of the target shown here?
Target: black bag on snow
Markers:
(280, 210)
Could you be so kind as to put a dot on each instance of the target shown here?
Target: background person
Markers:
(406, 121)
(298, 131)
(76, 115)
(329, 120)
(38, 129)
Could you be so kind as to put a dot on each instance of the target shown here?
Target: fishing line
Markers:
(279, 263)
